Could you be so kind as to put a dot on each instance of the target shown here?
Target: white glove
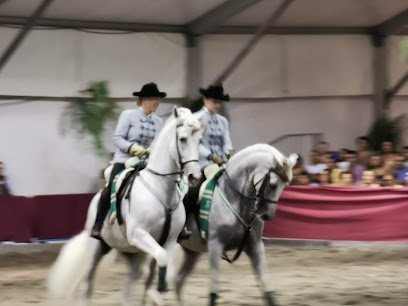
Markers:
(137, 150)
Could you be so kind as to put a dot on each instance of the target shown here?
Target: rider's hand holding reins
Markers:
(216, 159)
(137, 150)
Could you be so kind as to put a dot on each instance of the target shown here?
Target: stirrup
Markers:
(185, 234)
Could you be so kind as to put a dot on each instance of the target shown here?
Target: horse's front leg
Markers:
(142, 239)
(215, 249)
(256, 253)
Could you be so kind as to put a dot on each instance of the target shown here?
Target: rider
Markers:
(216, 146)
(135, 131)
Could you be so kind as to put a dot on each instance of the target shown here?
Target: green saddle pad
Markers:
(205, 203)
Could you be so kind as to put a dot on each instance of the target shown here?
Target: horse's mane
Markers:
(275, 154)
(275, 157)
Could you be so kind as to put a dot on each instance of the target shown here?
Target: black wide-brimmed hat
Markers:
(150, 90)
(215, 92)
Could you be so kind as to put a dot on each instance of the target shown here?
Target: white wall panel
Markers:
(61, 62)
(292, 65)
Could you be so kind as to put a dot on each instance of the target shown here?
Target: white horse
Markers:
(152, 213)
(246, 195)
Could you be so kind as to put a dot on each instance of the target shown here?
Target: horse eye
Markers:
(183, 139)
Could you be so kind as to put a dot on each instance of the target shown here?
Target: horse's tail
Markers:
(73, 262)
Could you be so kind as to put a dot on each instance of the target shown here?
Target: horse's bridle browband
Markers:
(181, 163)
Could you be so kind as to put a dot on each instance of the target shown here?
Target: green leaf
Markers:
(90, 114)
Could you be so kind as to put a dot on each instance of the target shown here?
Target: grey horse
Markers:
(246, 195)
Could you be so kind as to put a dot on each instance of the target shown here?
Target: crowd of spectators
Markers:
(359, 167)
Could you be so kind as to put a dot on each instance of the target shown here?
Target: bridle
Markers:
(259, 197)
(181, 163)
(259, 200)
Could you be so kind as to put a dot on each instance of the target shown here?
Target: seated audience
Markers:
(346, 179)
(342, 163)
(363, 153)
(355, 168)
(316, 165)
(324, 178)
(302, 179)
(368, 179)
(400, 170)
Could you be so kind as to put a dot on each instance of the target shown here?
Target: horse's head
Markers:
(189, 132)
(270, 178)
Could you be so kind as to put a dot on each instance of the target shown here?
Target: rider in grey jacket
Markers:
(135, 131)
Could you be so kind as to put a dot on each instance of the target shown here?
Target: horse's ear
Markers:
(175, 112)
(292, 159)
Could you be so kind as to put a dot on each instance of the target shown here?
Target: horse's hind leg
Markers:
(256, 253)
(86, 286)
(135, 261)
(190, 259)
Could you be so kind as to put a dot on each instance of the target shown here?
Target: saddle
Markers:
(121, 188)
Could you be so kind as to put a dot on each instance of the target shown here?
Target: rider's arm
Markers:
(121, 132)
(227, 139)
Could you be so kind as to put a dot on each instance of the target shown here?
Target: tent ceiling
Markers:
(318, 14)
(324, 13)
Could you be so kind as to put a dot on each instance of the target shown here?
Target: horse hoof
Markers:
(155, 297)
(270, 300)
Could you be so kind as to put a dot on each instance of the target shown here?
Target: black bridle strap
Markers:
(164, 174)
(242, 245)
(259, 195)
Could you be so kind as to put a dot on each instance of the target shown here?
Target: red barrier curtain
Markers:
(341, 213)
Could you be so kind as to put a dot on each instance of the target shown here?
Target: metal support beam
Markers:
(218, 15)
(167, 28)
(380, 75)
(23, 32)
(394, 90)
(294, 30)
(393, 24)
(194, 66)
(254, 40)
(95, 25)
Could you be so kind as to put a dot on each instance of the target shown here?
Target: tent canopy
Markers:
(216, 16)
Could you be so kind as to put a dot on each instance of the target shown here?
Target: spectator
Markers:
(4, 188)
(298, 168)
(355, 168)
(400, 170)
(324, 177)
(387, 151)
(342, 163)
(346, 179)
(334, 170)
(376, 164)
(303, 179)
(363, 154)
(316, 165)
(388, 180)
(405, 152)
(368, 179)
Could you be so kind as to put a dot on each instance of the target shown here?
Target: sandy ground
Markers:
(302, 276)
